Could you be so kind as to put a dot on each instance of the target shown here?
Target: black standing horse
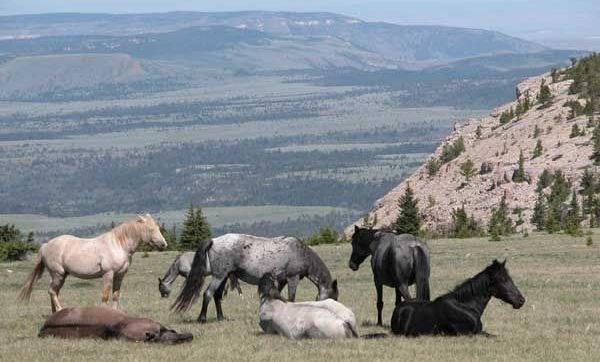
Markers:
(398, 261)
(458, 312)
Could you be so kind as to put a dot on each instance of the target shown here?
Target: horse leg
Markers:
(379, 289)
(281, 284)
(107, 278)
(55, 285)
(116, 289)
(218, 298)
(215, 283)
(292, 285)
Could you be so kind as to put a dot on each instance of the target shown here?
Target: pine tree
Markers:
(538, 150)
(500, 222)
(478, 132)
(539, 211)
(551, 224)
(409, 219)
(596, 144)
(545, 95)
(467, 169)
(520, 175)
(433, 166)
(536, 131)
(195, 229)
(573, 220)
(574, 131)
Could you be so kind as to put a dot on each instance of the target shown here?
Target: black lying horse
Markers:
(458, 312)
(398, 261)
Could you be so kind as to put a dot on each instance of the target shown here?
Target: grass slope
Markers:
(557, 274)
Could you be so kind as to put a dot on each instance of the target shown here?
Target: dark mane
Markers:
(476, 286)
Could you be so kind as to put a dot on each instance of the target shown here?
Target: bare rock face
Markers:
(495, 154)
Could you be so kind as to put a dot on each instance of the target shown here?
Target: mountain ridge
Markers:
(495, 155)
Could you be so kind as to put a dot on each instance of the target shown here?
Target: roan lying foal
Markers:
(106, 323)
(320, 319)
(458, 312)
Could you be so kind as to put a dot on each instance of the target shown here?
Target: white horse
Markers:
(321, 319)
(107, 255)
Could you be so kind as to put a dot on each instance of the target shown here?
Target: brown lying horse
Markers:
(106, 323)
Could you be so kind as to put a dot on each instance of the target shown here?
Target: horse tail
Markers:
(350, 330)
(35, 274)
(195, 280)
(422, 273)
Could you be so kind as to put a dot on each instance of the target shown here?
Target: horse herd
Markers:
(397, 261)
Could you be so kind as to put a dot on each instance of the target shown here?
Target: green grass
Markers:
(557, 274)
(217, 216)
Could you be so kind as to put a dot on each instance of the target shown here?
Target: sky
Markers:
(559, 23)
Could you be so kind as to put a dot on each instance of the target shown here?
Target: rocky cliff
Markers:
(497, 146)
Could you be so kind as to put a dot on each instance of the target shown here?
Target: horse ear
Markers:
(504, 262)
(356, 228)
(334, 284)
(140, 218)
(159, 280)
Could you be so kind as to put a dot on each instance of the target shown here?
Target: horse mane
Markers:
(126, 230)
(475, 286)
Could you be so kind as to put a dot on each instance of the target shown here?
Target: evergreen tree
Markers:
(536, 131)
(478, 132)
(544, 180)
(500, 221)
(596, 144)
(551, 224)
(195, 229)
(545, 95)
(433, 166)
(467, 169)
(409, 219)
(538, 150)
(573, 219)
(575, 132)
(539, 211)
(520, 175)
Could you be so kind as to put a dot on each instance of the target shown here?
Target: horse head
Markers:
(361, 241)
(164, 288)
(503, 286)
(327, 292)
(153, 235)
(267, 289)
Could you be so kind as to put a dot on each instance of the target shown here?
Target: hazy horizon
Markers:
(550, 22)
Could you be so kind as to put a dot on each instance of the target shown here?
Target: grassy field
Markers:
(557, 274)
(217, 216)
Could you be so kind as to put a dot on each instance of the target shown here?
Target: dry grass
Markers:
(558, 274)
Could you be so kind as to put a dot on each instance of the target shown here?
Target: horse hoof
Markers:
(202, 320)
(220, 319)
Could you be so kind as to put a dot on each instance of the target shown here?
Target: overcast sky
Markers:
(542, 20)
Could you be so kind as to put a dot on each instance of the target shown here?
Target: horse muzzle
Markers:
(520, 302)
(352, 265)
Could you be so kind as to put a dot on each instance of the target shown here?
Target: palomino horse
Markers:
(458, 312)
(248, 258)
(396, 260)
(181, 266)
(105, 323)
(107, 255)
(320, 319)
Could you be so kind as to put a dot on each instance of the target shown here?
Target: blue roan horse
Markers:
(398, 261)
(248, 258)
(458, 312)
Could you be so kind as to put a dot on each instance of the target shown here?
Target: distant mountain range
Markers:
(388, 45)
(43, 54)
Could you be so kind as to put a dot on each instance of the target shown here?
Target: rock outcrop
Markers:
(495, 154)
